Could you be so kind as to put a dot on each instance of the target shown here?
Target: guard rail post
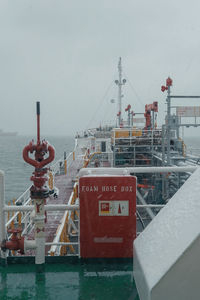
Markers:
(2, 217)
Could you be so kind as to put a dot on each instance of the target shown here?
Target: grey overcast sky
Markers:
(65, 54)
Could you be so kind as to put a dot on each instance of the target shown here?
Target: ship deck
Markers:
(65, 277)
(68, 281)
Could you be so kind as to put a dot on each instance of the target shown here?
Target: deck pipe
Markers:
(50, 207)
(131, 170)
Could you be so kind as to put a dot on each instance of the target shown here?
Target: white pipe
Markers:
(52, 207)
(127, 171)
(2, 214)
(40, 250)
(62, 207)
(148, 210)
(150, 205)
(18, 208)
(61, 243)
(29, 244)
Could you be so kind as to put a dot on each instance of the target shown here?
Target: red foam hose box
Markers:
(107, 216)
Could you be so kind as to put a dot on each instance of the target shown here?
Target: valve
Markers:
(16, 241)
(132, 113)
(128, 108)
(168, 81)
(164, 88)
(168, 84)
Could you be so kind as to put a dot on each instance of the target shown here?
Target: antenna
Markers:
(120, 82)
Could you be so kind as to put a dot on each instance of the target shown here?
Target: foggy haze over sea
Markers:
(65, 55)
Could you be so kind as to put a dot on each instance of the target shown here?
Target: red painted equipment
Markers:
(148, 109)
(16, 241)
(168, 84)
(168, 81)
(145, 186)
(38, 190)
(107, 216)
(164, 88)
(132, 113)
(128, 108)
(40, 149)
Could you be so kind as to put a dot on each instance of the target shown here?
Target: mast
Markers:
(120, 82)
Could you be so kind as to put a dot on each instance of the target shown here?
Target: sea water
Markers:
(192, 145)
(17, 171)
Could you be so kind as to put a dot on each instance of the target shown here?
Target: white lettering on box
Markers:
(127, 188)
(92, 188)
(109, 188)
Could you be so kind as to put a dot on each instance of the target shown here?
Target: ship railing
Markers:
(135, 132)
(61, 240)
(24, 199)
(133, 161)
(101, 159)
(139, 137)
(58, 167)
(22, 219)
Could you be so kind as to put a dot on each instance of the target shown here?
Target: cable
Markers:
(134, 91)
(100, 104)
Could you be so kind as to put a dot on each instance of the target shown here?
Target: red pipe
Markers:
(38, 129)
(15, 245)
(30, 148)
(38, 122)
(16, 241)
(48, 159)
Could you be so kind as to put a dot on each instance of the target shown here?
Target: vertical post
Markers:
(2, 214)
(8, 211)
(12, 225)
(120, 82)
(73, 155)
(168, 125)
(153, 120)
(152, 146)
(39, 231)
(65, 166)
(51, 181)
(65, 162)
(132, 119)
(129, 118)
(163, 145)
(20, 219)
(120, 89)
(163, 161)
(38, 121)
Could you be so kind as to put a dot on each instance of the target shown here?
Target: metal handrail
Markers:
(54, 248)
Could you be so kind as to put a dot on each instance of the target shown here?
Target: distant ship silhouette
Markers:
(4, 133)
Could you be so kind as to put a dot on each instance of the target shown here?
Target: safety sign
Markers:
(114, 208)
